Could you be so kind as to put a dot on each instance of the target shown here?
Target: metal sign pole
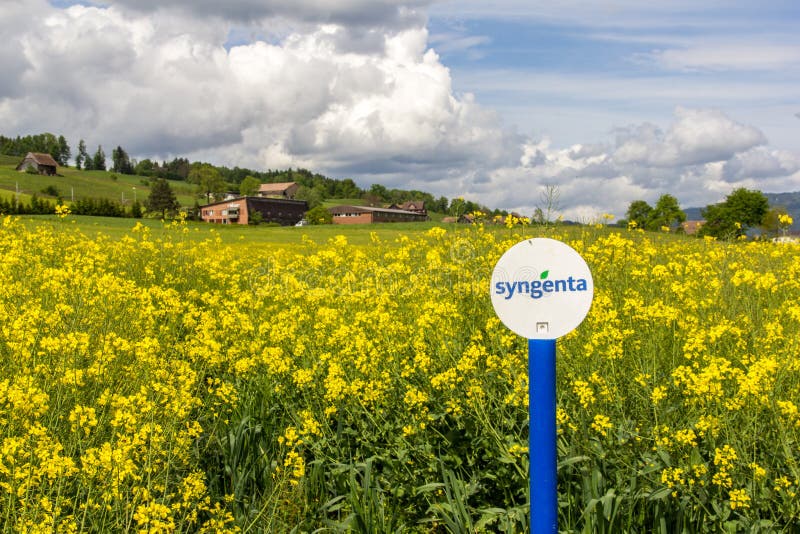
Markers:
(542, 436)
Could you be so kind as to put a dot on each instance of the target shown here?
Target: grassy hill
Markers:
(72, 184)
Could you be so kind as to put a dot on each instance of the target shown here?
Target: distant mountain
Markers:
(790, 201)
(693, 214)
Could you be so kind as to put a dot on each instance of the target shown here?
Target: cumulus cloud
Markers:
(700, 157)
(370, 100)
(696, 137)
(760, 162)
(162, 87)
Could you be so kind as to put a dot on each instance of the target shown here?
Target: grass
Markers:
(74, 184)
(357, 234)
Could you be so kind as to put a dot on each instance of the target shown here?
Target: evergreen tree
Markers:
(82, 157)
(136, 210)
(64, 151)
(99, 159)
(120, 161)
(162, 198)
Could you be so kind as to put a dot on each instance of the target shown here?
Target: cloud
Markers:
(725, 56)
(700, 157)
(759, 163)
(393, 13)
(696, 137)
(160, 87)
(371, 102)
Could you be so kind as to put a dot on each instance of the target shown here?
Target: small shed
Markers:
(43, 163)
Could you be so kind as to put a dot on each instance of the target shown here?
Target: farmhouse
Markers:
(278, 190)
(244, 210)
(43, 163)
(368, 215)
(417, 206)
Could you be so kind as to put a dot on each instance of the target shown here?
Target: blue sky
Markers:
(632, 62)
(608, 101)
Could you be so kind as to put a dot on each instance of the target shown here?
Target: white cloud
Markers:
(696, 137)
(367, 100)
(726, 56)
(161, 87)
(700, 157)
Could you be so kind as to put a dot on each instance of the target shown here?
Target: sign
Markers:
(541, 288)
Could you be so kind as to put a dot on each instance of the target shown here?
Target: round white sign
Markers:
(541, 288)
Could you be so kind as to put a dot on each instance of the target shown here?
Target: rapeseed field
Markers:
(163, 383)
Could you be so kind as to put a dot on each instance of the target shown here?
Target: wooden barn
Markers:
(43, 163)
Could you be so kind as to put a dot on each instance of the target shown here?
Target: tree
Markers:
(458, 207)
(249, 186)
(162, 198)
(64, 151)
(208, 179)
(136, 210)
(120, 161)
(748, 206)
(83, 156)
(665, 214)
(319, 215)
(638, 213)
(771, 224)
(742, 209)
(379, 191)
(99, 159)
(549, 205)
(312, 196)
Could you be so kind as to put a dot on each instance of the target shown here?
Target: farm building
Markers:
(43, 163)
(243, 210)
(417, 206)
(278, 190)
(368, 215)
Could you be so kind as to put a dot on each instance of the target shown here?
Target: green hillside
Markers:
(72, 184)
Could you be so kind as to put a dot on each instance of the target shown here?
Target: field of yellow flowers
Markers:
(160, 382)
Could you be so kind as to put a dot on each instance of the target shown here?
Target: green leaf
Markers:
(544, 275)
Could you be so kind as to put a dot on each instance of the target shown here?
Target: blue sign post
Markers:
(542, 435)
(542, 289)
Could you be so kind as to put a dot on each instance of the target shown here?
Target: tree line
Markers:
(742, 210)
(45, 143)
(36, 206)
(213, 181)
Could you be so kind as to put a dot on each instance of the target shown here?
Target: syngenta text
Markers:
(538, 288)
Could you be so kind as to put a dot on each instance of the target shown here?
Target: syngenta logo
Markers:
(538, 288)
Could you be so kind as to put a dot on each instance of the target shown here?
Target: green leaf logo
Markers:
(544, 275)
